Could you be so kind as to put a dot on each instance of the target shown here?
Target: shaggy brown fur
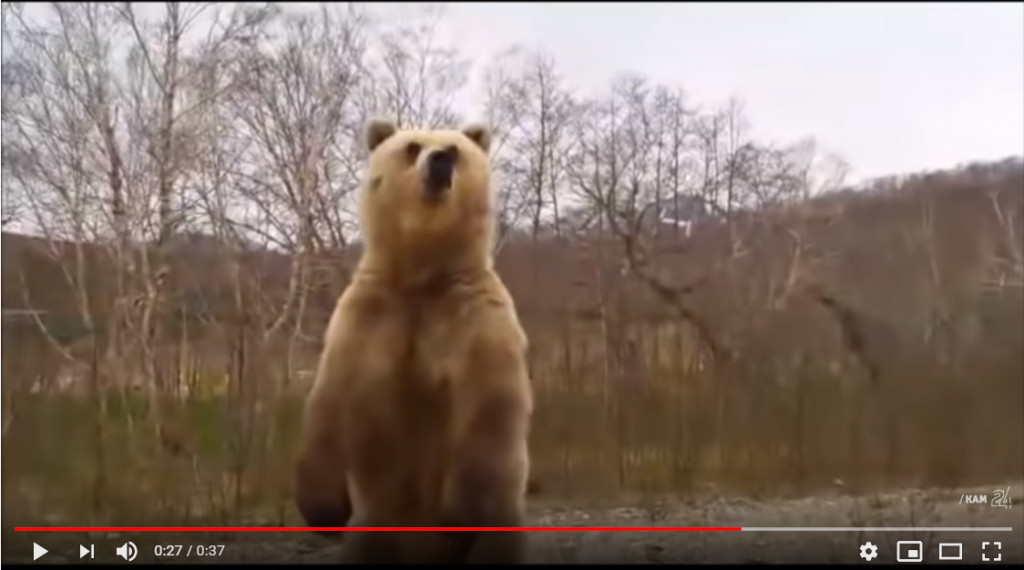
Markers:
(420, 411)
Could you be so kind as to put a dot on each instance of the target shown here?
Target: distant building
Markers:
(681, 212)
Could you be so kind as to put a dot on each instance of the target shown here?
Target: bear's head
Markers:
(427, 202)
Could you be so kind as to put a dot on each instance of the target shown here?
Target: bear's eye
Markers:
(412, 150)
(453, 151)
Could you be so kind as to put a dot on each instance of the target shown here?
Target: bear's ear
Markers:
(378, 131)
(480, 134)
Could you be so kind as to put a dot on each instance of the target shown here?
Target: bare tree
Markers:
(531, 112)
(643, 159)
(294, 106)
(9, 199)
(54, 131)
(415, 79)
(104, 141)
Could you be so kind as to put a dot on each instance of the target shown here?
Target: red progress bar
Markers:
(377, 529)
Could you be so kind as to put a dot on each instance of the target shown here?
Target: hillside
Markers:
(896, 252)
(776, 352)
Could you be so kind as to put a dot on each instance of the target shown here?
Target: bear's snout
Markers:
(439, 169)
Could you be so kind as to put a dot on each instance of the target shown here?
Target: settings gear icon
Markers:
(868, 551)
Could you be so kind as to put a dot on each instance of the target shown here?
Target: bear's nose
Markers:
(440, 167)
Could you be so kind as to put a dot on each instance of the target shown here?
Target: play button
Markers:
(37, 551)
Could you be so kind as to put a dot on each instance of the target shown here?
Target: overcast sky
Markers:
(890, 87)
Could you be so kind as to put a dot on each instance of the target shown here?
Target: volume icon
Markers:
(127, 551)
(83, 551)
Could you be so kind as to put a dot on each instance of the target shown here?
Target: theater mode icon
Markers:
(951, 551)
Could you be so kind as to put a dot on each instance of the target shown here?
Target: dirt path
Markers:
(909, 509)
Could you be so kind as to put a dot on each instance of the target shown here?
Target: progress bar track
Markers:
(524, 529)
(877, 529)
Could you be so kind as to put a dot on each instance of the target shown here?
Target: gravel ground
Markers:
(908, 509)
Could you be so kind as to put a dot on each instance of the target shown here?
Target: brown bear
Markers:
(420, 410)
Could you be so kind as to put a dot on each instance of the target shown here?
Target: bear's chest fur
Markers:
(407, 349)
